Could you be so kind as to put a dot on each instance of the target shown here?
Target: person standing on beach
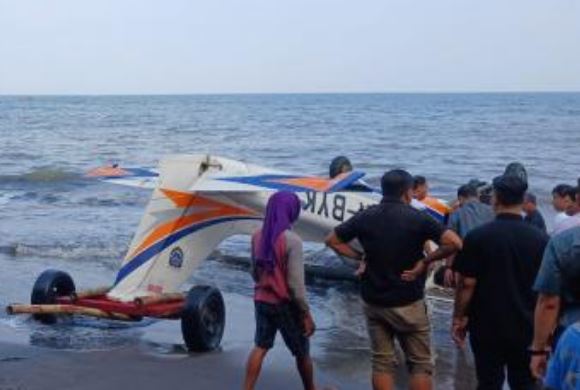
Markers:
(421, 198)
(533, 215)
(392, 235)
(338, 165)
(573, 213)
(558, 288)
(564, 369)
(494, 300)
(562, 199)
(280, 292)
(470, 214)
(420, 187)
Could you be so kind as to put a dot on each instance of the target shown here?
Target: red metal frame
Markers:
(171, 309)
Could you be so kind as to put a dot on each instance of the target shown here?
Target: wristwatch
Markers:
(539, 352)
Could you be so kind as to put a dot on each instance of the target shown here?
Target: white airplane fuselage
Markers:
(200, 200)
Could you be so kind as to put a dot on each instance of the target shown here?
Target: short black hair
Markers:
(530, 197)
(396, 182)
(564, 190)
(419, 180)
(509, 190)
(337, 165)
(572, 192)
(467, 191)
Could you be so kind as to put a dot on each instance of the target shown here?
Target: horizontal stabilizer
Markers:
(132, 177)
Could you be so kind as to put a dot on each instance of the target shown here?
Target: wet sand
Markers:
(26, 367)
(93, 354)
(30, 368)
(154, 358)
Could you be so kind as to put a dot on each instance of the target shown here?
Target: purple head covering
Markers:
(282, 211)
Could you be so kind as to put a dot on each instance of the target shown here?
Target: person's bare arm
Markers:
(463, 296)
(296, 278)
(296, 281)
(545, 321)
(341, 248)
(450, 244)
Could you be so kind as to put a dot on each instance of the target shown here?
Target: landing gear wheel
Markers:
(203, 319)
(48, 286)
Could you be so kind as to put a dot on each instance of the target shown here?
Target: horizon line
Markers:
(426, 92)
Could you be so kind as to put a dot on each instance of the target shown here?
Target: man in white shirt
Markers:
(562, 199)
(572, 214)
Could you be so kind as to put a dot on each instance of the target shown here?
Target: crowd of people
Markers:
(517, 289)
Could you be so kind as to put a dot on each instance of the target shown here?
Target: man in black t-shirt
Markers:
(494, 300)
(392, 235)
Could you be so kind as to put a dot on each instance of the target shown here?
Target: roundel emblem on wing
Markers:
(176, 257)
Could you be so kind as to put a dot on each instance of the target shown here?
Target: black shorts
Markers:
(285, 318)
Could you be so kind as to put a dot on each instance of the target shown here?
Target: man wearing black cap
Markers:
(494, 300)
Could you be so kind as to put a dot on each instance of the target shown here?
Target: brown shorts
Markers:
(410, 325)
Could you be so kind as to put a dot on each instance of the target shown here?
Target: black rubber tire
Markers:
(48, 286)
(203, 319)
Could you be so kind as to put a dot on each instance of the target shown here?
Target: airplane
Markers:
(197, 201)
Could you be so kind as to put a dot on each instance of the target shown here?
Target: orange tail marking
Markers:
(214, 209)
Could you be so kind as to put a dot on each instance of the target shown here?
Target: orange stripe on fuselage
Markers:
(214, 209)
(314, 183)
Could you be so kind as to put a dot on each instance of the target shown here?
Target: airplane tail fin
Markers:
(179, 229)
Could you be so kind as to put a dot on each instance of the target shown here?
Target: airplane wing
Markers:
(221, 182)
(132, 177)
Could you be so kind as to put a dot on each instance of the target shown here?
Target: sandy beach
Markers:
(94, 354)
(86, 355)
(144, 364)
(29, 368)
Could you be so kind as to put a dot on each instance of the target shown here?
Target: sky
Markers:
(288, 46)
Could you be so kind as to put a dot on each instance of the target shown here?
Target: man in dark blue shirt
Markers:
(471, 212)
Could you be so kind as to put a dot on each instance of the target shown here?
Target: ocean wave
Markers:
(9, 155)
(42, 175)
(7, 196)
(94, 201)
(110, 252)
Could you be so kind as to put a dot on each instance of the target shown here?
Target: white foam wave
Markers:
(7, 196)
(43, 175)
(69, 252)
